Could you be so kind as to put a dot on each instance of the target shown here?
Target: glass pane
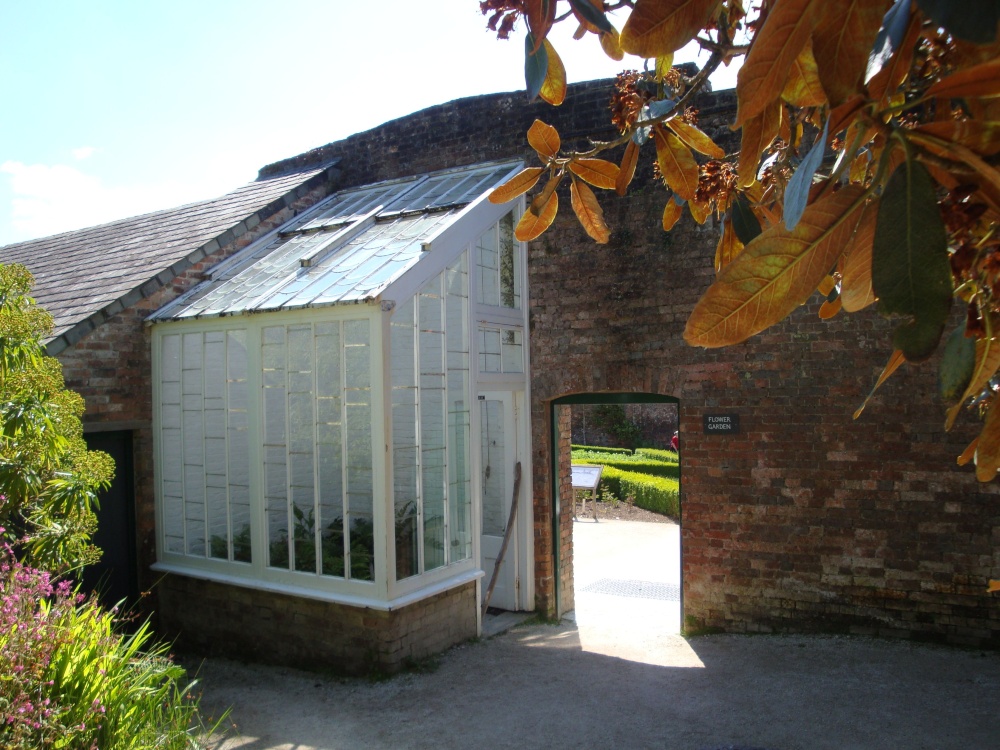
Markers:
(489, 349)
(459, 477)
(329, 454)
(238, 445)
(494, 462)
(488, 268)
(358, 441)
(404, 439)
(171, 466)
(512, 353)
(509, 268)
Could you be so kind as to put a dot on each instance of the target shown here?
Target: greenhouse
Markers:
(336, 406)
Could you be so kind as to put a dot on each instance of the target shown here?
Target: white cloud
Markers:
(47, 199)
(83, 153)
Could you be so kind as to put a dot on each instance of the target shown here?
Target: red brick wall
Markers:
(291, 630)
(807, 520)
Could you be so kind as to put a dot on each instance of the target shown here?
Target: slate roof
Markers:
(347, 249)
(85, 276)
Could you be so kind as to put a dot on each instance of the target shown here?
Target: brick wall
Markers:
(291, 630)
(807, 520)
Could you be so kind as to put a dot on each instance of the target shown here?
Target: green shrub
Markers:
(69, 680)
(637, 463)
(601, 449)
(658, 454)
(658, 494)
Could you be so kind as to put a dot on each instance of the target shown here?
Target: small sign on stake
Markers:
(715, 424)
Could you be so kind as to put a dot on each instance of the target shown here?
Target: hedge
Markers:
(658, 454)
(658, 494)
(601, 449)
(641, 464)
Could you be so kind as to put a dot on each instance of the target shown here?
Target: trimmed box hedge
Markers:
(601, 449)
(642, 464)
(658, 494)
(658, 454)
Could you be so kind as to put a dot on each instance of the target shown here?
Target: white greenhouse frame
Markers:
(438, 251)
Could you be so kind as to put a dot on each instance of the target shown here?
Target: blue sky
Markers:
(117, 107)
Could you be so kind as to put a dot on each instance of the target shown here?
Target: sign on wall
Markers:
(721, 424)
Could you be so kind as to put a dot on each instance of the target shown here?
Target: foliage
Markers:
(658, 494)
(601, 449)
(332, 546)
(641, 463)
(48, 479)
(658, 454)
(612, 419)
(69, 680)
(902, 95)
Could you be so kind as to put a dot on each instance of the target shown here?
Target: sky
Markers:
(115, 108)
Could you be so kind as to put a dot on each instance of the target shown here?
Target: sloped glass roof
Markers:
(347, 249)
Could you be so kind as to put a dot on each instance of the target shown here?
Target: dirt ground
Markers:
(615, 674)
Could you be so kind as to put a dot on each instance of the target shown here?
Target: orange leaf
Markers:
(988, 450)
(553, 88)
(776, 46)
(588, 211)
(828, 309)
(856, 283)
(517, 185)
(883, 84)
(840, 117)
(544, 139)
(980, 80)
(700, 210)
(826, 286)
(728, 248)
(659, 27)
(993, 587)
(671, 213)
(958, 152)
(627, 170)
(894, 363)
(532, 225)
(611, 44)
(803, 89)
(775, 273)
(845, 33)
(987, 364)
(539, 201)
(540, 15)
(695, 138)
(597, 172)
(758, 132)
(981, 137)
(677, 164)
(969, 453)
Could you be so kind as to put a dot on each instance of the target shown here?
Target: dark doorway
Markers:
(115, 578)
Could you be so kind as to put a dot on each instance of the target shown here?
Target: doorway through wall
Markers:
(625, 543)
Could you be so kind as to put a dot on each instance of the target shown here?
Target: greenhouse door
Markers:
(499, 444)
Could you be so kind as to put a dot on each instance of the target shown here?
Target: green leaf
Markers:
(910, 271)
(536, 66)
(745, 222)
(591, 14)
(957, 364)
(971, 20)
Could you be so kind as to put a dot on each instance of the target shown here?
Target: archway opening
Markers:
(619, 556)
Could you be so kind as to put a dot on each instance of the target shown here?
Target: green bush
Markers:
(601, 449)
(658, 494)
(637, 463)
(69, 680)
(658, 454)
